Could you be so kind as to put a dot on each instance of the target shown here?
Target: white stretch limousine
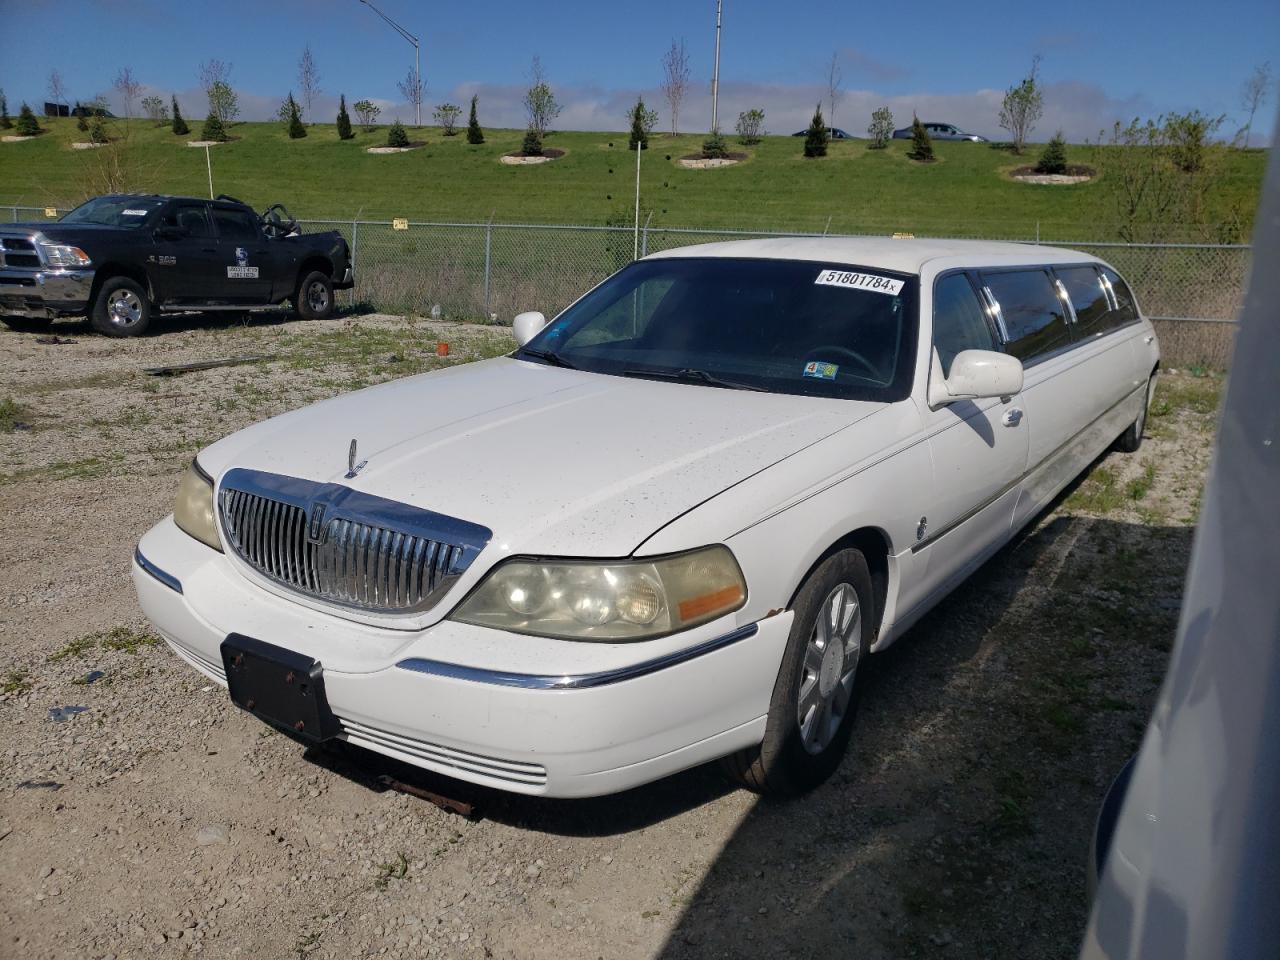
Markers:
(669, 527)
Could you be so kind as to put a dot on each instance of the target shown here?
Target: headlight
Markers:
(193, 513)
(61, 255)
(610, 601)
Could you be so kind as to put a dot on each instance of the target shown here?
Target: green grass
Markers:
(15, 681)
(117, 638)
(967, 192)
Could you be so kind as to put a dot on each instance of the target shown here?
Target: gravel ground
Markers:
(158, 820)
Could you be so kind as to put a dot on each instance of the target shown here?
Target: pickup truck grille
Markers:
(338, 545)
(17, 252)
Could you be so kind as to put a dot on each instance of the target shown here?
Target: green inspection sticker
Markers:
(823, 371)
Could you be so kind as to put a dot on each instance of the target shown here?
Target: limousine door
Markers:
(979, 450)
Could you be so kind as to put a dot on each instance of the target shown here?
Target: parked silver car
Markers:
(941, 131)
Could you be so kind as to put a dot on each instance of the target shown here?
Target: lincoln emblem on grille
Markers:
(352, 467)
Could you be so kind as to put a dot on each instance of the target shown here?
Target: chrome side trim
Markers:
(168, 579)
(536, 681)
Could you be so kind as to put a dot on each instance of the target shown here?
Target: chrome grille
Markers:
(336, 544)
(17, 252)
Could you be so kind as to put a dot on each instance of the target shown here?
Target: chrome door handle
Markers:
(1012, 417)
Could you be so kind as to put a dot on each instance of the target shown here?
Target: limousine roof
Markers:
(904, 256)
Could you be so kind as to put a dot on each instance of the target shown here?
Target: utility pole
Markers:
(715, 77)
(417, 72)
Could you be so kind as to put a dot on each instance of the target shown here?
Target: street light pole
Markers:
(715, 77)
(417, 72)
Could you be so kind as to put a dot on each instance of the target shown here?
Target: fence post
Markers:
(644, 237)
(488, 260)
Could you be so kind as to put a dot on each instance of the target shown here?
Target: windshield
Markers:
(786, 326)
(114, 211)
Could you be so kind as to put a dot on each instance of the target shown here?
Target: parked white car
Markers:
(669, 527)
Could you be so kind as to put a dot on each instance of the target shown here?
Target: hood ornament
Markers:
(352, 467)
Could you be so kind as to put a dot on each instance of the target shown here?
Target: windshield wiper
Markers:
(548, 356)
(690, 375)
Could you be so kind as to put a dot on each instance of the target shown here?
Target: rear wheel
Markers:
(122, 308)
(1131, 439)
(816, 694)
(314, 297)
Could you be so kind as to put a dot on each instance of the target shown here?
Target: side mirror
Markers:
(526, 325)
(975, 374)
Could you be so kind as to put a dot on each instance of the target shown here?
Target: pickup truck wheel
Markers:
(816, 693)
(122, 308)
(314, 299)
(1131, 439)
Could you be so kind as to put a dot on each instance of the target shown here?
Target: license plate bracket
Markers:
(278, 686)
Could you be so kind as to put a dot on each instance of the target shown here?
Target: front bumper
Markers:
(44, 294)
(439, 698)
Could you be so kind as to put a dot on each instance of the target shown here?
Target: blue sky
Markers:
(1103, 61)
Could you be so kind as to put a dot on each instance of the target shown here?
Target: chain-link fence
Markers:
(491, 271)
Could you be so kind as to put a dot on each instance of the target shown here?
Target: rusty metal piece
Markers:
(448, 804)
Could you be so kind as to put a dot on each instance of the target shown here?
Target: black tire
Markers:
(1131, 439)
(122, 308)
(26, 324)
(782, 765)
(313, 300)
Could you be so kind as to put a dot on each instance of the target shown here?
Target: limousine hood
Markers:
(553, 461)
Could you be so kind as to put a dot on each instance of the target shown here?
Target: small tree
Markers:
(921, 143)
(57, 90)
(815, 140)
(344, 120)
(474, 133)
(750, 126)
(834, 77)
(675, 80)
(213, 128)
(5, 122)
(291, 117)
(215, 81)
(532, 146)
(397, 136)
(1189, 136)
(308, 80)
(714, 147)
(98, 129)
(156, 110)
(446, 116)
(412, 89)
(880, 129)
(642, 121)
(79, 112)
(1253, 93)
(540, 101)
(180, 128)
(27, 125)
(1054, 157)
(1023, 105)
(367, 111)
(128, 87)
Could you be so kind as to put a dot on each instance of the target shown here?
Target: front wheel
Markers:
(314, 297)
(122, 308)
(816, 694)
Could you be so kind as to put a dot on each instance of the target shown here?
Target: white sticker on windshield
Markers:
(860, 281)
(134, 213)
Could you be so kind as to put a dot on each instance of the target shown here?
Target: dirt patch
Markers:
(82, 145)
(696, 161)
(413, 145)
(524, 159)
(1075, 173)
(139, 809)
(10, 138)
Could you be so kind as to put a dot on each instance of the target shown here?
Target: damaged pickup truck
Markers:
(122, 259)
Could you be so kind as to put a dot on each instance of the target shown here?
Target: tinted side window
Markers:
(958, 320)
(189, 217)
(1088, 297)
(236, 225)
(1033, 314)
(1127, 310)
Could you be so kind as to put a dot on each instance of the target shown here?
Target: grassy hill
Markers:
(967, 193)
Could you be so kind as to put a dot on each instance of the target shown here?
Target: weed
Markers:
(1139, 487)
(117, 638)
(398, 869)
(307, 942)
(11, 414)
(15, 681)
(1097, 494)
